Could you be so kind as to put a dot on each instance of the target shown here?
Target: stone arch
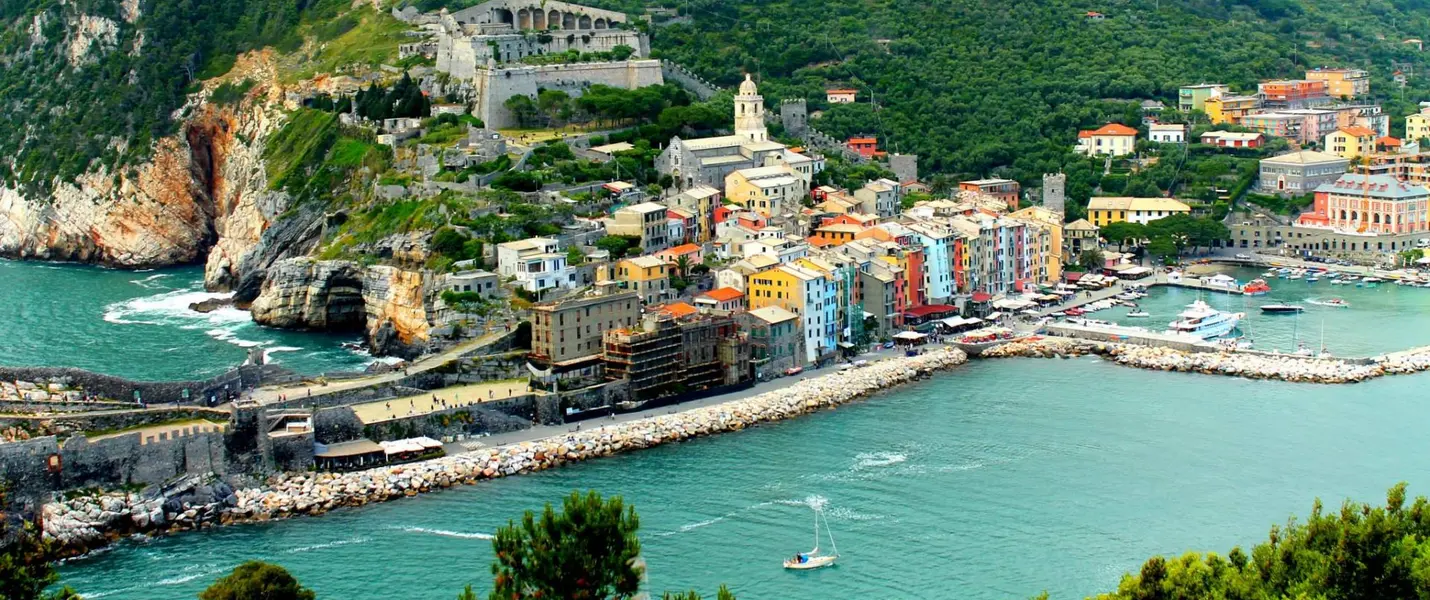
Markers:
(600, 23)
(502, 15)
(523, 19)
(538, 19)
(585, 22)
(568, 20)
(553, 19)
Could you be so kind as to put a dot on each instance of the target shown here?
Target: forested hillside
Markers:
(93, 82)
(980, 88)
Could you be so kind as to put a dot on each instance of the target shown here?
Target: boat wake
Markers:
(303, 549)
(708, 522)
(445, 533)
(868, 460)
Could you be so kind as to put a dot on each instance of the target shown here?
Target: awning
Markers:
(932, 309)
(1011, 304)
(845, 345)
(401, 446)
(982, 296)
(346, 449)
(909, 335)
(995, 316)
(960, 321)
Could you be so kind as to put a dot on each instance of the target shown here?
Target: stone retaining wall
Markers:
(152, 392)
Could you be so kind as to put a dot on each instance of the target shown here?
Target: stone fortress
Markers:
(483, 48)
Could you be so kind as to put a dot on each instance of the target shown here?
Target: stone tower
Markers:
(1054, 191)
(750, 113)
(794, 114)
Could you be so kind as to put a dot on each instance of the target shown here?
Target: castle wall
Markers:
(495, 86)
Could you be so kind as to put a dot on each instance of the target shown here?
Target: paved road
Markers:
(543, 431)
(267, 395)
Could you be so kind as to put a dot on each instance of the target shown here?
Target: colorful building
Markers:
(840, 96)
(769, 191)
(938, 244)
(1048, 247)
(1113, 139)
(1230, 109)
(1294, 93)
(1299, 172)
(867, 147)
(1377, 204)
(1103, 211)
(725, 299)
(1194, 97)
(647, 276)
(775, 343)
(1351, 143)
(1342, 83)
(1417, 126)
(1233, 139)
(1006, 190)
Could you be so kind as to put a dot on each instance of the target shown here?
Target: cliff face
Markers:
(204, 187)
(387, 304)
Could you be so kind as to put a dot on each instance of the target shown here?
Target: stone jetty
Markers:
(86, 523)
(1252, 365)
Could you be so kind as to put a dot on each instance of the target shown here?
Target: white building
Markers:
(535, 263)
(1167, 133)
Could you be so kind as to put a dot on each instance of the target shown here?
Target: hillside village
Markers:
(797, 248)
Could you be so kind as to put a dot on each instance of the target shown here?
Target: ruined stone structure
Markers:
(483, 48)
(905, 167)
(492, 86)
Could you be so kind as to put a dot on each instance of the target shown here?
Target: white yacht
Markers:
(1205, 322)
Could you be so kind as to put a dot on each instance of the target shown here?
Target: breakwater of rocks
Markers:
(87, 523)
(1284, 367)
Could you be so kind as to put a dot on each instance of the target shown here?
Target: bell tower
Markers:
(750, 113)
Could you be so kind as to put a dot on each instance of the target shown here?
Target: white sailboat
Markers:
(814, 559)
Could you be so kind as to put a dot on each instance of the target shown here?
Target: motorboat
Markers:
(977, 341)
(1281, 308)
(1332, 302)
(1203, 321)
(1222, 282)
(1269, 275)
(1137, 314)
(1257, 287)
(1340, 282)
(814, 559)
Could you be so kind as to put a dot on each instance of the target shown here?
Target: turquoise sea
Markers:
(137, 324)
(1380, 319)
(995, 480)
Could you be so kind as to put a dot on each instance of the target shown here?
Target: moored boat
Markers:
(1139, 314)
(1257, 287)
(1203, 321)
(1281, 308)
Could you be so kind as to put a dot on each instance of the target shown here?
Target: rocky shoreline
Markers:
(1283, 367)
(83, 524)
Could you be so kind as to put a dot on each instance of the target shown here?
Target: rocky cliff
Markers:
(204, 188)
(388, 304)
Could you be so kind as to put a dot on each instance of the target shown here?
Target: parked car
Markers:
(794, 370)
(1243, 256)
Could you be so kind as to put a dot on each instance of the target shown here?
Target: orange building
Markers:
(868, 147)
(1294, 93)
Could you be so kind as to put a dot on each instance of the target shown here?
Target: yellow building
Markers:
(646, 275)
(768, 191)
(1417, 126)
(1048, 246)
(1230, 109)
(1106, 210)
(1351, 143)
(1342, 83)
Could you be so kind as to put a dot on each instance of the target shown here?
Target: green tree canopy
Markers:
(1123, 233)
(1359, 552)
(1091, 259)
(256, 580)
(587, 551)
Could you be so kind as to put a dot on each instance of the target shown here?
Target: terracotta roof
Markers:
(863, 140)
(724, 294)
(1388, 141)
(1114, 129)
(1358, 131)
(1084, 134)
(682, 249)
(841, 91)
(678, 309)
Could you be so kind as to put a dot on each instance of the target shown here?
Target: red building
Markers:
(868, 147)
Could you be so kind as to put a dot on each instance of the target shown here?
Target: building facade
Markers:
(1299, 172)
(1376, 204)
(1103, 211)
(1342, 83)
(570, 330)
